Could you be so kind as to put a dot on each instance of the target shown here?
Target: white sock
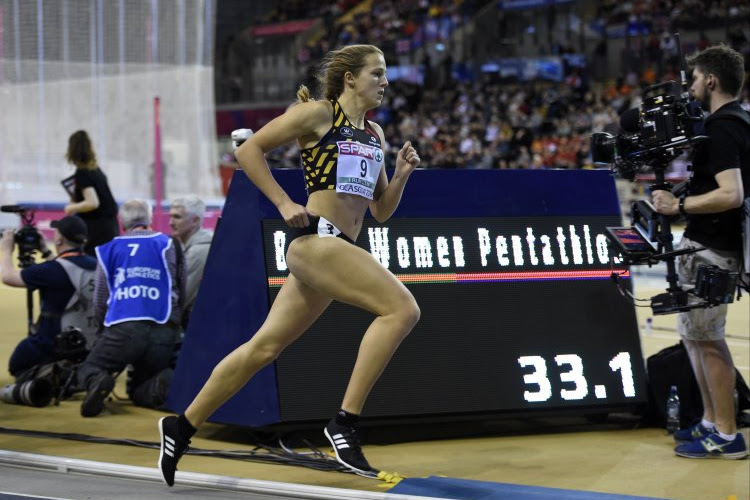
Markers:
(708, 425)
(728, 437)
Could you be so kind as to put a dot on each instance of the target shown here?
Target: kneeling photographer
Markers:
(712, 209)
(139, 286)
(58, 280)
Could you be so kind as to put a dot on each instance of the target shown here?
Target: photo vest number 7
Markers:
(137, 277)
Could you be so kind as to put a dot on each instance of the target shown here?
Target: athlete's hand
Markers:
(295, 215)
(407, 159)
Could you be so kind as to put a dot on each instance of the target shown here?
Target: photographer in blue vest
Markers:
(138, 292)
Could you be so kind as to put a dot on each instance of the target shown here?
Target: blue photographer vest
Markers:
(138, 278)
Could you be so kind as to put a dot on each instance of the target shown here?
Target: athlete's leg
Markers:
(351, 275)
(296, 307)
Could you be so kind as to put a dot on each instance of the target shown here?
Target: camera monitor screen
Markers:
(630, 243)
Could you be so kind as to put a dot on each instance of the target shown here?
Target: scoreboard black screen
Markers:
(518, 313)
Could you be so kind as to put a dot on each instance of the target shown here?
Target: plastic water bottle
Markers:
(649, 322)
(673, 410)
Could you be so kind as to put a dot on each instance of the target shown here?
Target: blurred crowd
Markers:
(292, 10)
(662, 15)
(488, 122)
(400, 27)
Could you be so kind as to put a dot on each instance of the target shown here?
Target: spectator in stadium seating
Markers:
(186, 220)
(345, 175)
(668, 48)
(137, 295)
(91, 198)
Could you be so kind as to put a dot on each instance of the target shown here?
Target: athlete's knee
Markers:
(265, 353)
(409, 312)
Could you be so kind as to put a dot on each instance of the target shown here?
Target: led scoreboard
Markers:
(511, 271)
(516, 313)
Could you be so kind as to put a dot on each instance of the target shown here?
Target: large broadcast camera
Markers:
(653, 135)
(28, 239)
(665, 125)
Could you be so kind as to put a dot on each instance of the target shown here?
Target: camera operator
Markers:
(711, 207)
(56, 288)
(138, 293)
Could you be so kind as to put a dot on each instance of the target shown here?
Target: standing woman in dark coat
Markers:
(92, 200)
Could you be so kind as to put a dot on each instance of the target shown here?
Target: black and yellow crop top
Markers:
(346, 159)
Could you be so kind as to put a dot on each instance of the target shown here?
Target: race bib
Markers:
(358, 168)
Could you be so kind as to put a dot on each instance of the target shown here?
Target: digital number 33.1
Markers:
(574, 375)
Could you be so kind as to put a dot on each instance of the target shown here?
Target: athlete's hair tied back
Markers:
(303, 94)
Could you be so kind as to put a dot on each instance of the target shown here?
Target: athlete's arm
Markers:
(303, 122)
(388, 194)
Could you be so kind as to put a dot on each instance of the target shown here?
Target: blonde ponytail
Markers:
(303, 94)
(336, 63)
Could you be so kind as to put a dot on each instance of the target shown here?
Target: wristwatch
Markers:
(681, 206)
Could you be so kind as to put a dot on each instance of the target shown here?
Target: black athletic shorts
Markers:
(321, 227)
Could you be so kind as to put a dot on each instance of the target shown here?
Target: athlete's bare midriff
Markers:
(345, 211)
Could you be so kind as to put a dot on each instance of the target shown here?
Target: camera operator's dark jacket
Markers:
(728, 148)
(55, 292)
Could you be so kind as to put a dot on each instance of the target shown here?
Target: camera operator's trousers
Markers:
(708, 323)
(148, 346)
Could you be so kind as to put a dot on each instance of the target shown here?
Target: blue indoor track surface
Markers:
(464, 489)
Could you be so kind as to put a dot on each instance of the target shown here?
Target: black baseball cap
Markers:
(72, 228)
